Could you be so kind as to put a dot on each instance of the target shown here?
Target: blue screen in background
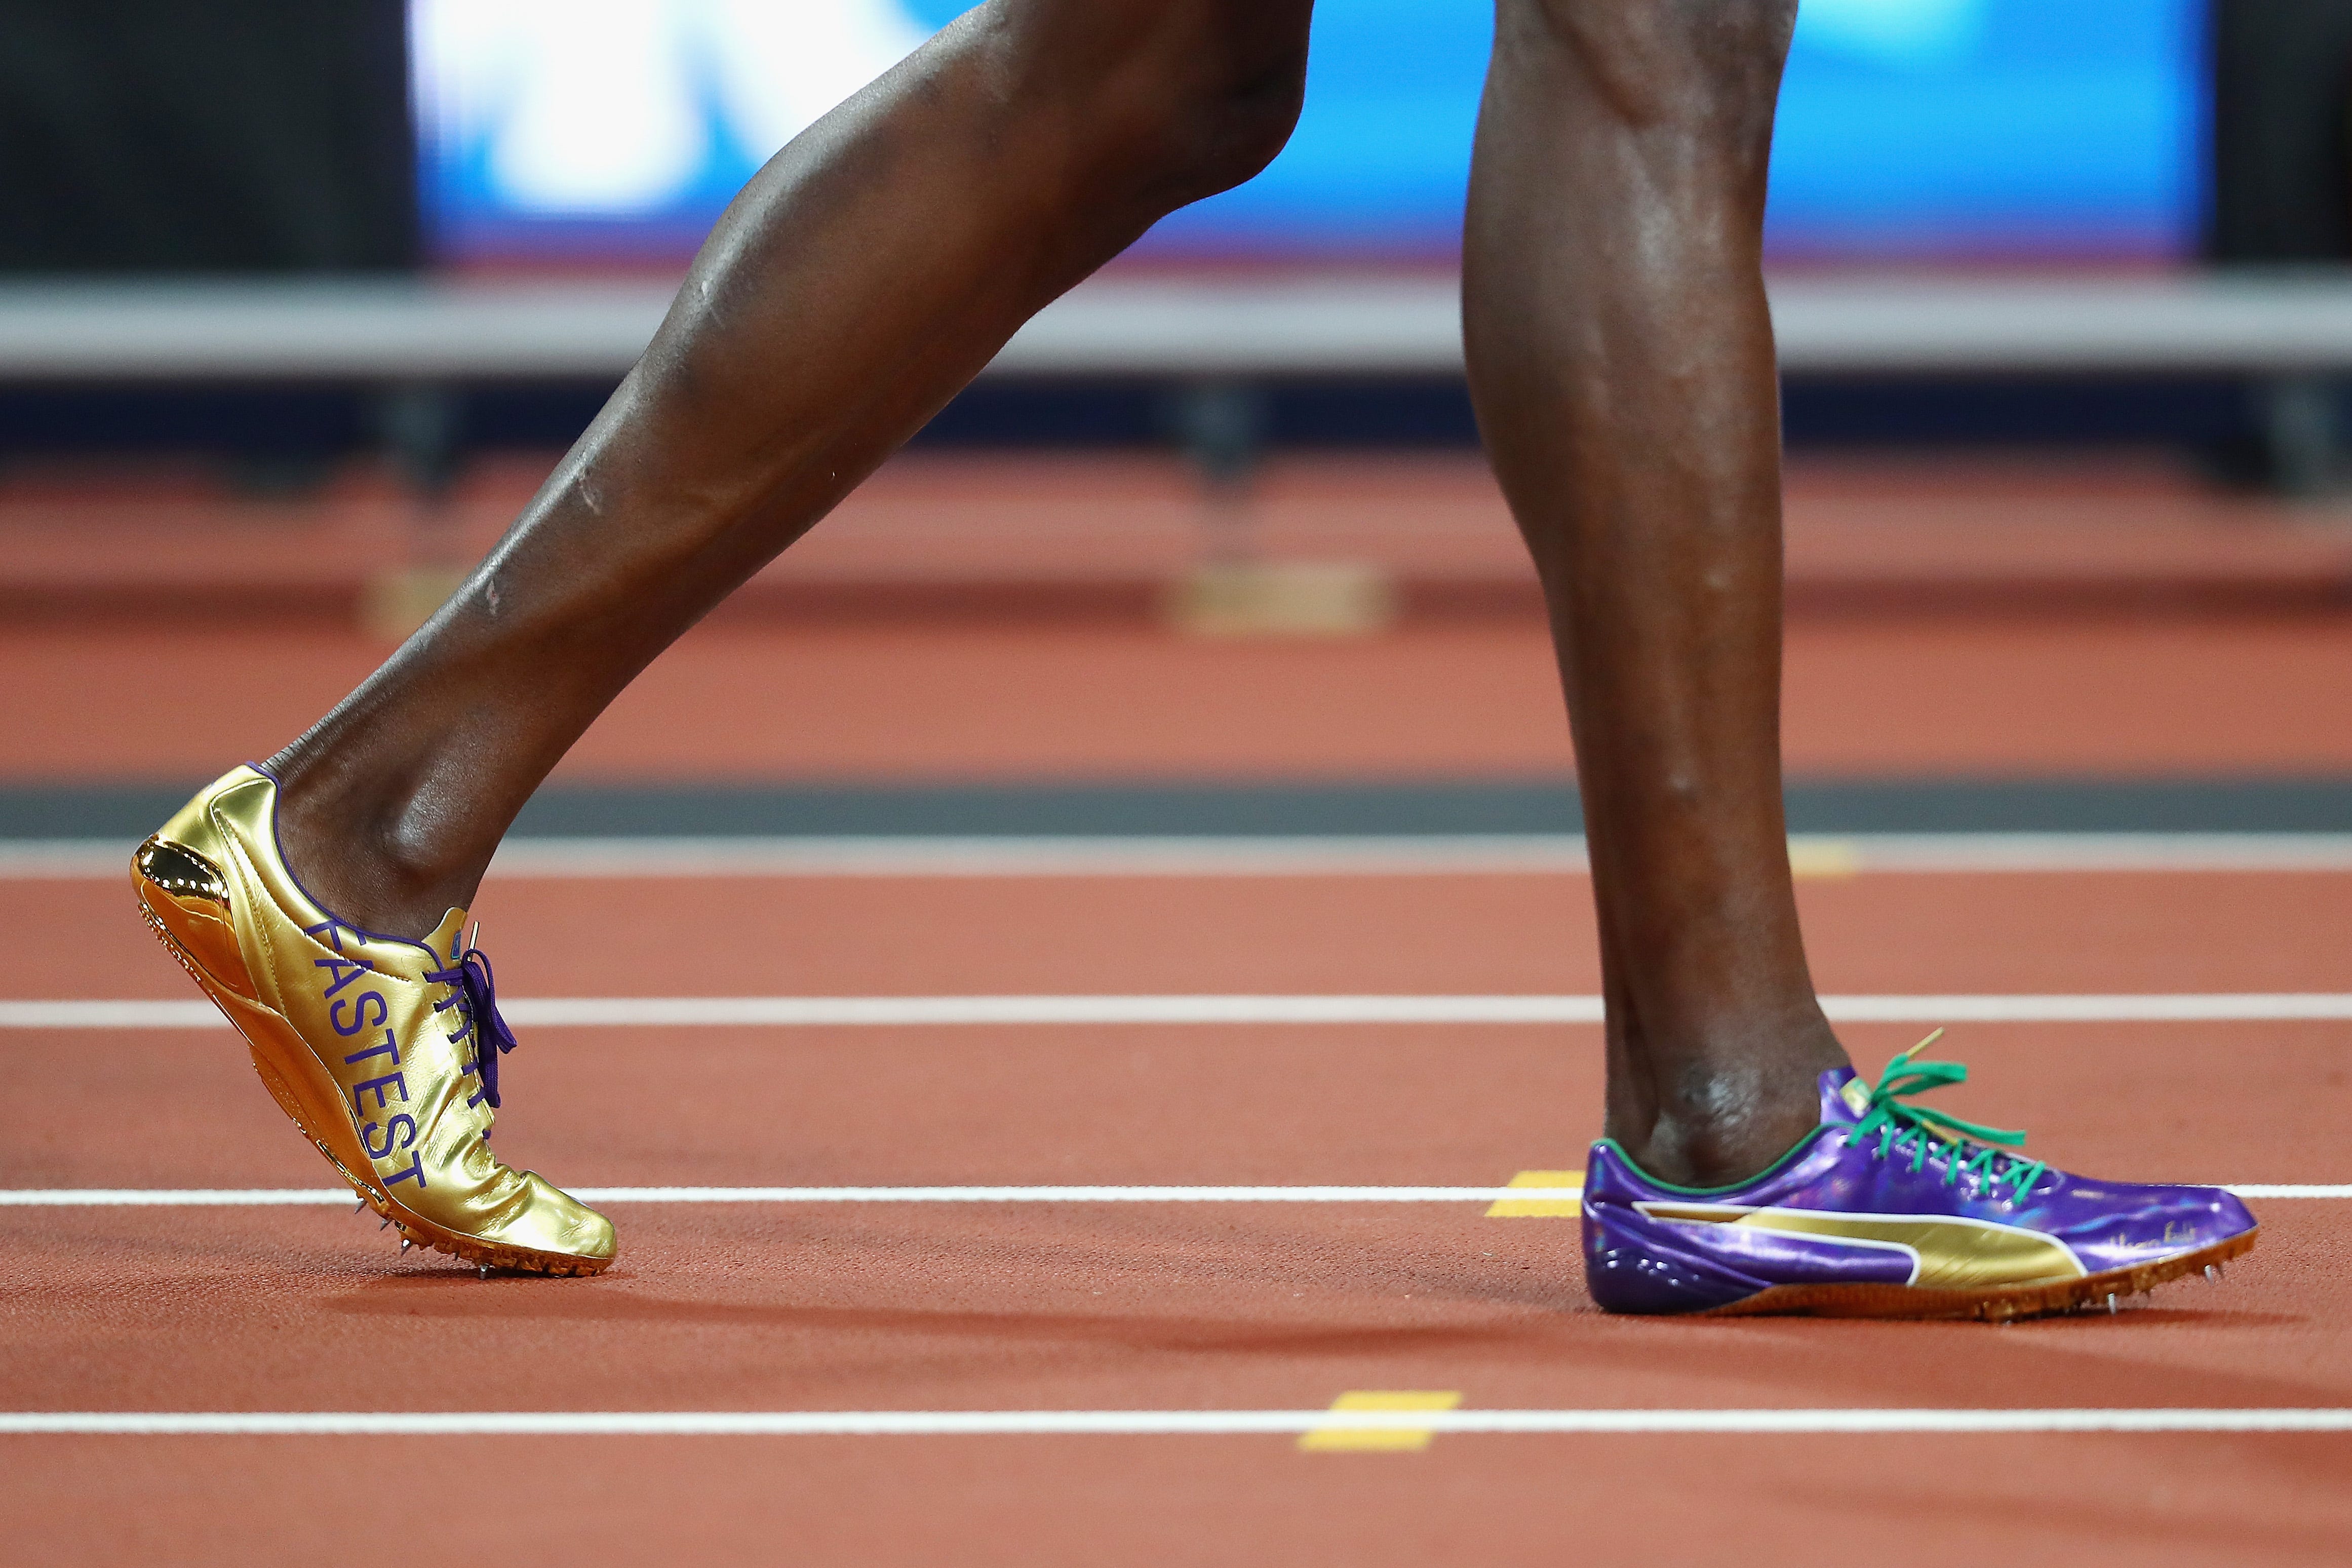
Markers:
(1992, 127)
(1908, 129)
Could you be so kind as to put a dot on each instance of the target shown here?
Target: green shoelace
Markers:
(1901, 1125)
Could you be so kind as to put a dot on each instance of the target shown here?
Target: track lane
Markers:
(1514, 1502)
(2074, 931)
(1254, 1105)
(1195, 1307)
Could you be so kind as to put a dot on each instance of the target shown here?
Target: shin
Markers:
(1621, 357)
(857, 282)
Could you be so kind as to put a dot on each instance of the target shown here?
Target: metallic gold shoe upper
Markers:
(384, 1050)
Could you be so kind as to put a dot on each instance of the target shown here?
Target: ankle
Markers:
(1720, 1122)
(1722, 1152)
(374, 856)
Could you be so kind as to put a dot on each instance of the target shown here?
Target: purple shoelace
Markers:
(476, 999)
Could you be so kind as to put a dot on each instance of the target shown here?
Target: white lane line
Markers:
(1128, 1422)
(2014, 852)
(673, 1012)
(1315, 855)
(1335, 854)
(2160, 1008)
(111, 1016)
(212, 1197)
(275, 1198)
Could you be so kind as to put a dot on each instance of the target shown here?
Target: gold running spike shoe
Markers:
(384, 1051)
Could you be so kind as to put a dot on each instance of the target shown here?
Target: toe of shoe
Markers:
(2190, 1219)
(2228, 1215)
(2197, 1217)
(2134, 1226)
(556, 1223)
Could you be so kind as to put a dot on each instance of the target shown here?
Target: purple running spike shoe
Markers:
(1891, 1210)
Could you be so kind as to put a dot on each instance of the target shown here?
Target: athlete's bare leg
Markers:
(861, 279)
(1621, 359)
(1620, 352)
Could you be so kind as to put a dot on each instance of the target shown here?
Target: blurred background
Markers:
(298, 303)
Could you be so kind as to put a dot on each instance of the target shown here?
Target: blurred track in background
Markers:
(969, 617)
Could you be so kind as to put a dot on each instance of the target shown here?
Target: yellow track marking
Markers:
(1824, 858)
(1571, 1183)
(1385, 1439)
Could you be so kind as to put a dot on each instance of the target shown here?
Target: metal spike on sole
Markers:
(2212, 1274)
(486, 1271)
(358, 1205)
(2112, 1308)
(404, 1245)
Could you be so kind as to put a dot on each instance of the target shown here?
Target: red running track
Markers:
(784, 1306)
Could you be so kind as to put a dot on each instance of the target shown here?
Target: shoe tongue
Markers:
(1843, 1097)
(447, 935)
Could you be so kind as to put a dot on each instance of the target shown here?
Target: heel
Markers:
(260, 1026)
(184, 896)
(1635, 1268)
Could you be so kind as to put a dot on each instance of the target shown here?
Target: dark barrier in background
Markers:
(2282, 130)
(227, 136)
(2282, 197)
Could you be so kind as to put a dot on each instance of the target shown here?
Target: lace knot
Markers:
(1902, 1126)
(473, 998)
